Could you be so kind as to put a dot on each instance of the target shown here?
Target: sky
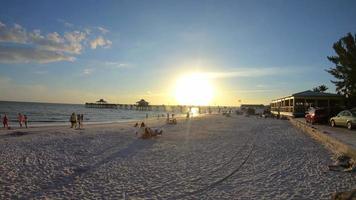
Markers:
(122, 51)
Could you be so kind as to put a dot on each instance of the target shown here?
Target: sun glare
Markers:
(194, 89)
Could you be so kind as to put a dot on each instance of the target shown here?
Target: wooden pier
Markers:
(96, 105)
(159, 108)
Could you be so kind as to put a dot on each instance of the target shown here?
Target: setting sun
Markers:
(194, 89)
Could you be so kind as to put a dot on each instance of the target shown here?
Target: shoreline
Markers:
(39, 127)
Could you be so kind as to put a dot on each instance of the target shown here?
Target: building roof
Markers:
(309, 93)
(142, 101)
(101, 101)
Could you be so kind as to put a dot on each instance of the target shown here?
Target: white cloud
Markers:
(65, 23)
(103, 30)
(69, 43)
(248, 72)
(15, 34)
(34, 46)
(88, 71)
(100, 41)
(117, 65)
(26, 55)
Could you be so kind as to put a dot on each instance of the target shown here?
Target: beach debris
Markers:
(345, 195)
(343, 163)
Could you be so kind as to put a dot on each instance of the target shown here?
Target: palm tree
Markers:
(321, 88)
(345, 67)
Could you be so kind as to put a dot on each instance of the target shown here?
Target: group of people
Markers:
(145, 132)
(22, 120)
(76, 120)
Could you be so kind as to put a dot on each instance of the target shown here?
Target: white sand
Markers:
(207, 158)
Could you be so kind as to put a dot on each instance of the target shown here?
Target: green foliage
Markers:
(320, 88)
(345, 67)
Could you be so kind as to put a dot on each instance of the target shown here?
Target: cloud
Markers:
(26, 55)
(117, 65)
(17, 45)
(15, 34)
(87, 71)
(103, 30)
(247, 72)
(65, 23)
(69, 43)
(100, 41)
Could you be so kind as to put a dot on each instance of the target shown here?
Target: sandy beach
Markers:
(211, 157)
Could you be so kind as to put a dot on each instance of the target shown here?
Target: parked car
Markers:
(345, 118)
(316, 115)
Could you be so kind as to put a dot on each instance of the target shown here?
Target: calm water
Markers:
(55, 114)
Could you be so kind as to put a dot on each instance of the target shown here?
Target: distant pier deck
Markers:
(162, 108)
(101, 105)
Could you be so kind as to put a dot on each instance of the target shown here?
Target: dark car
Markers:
(316, 115)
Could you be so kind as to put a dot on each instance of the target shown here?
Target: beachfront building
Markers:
(258, 108)
(297, 104)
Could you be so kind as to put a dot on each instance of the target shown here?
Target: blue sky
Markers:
(77, 51)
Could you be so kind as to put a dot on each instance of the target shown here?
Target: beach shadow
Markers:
(61, 181)
(15, 134)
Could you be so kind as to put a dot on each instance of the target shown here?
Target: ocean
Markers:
(40, 114)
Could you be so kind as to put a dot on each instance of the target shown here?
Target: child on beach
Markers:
(5, 121)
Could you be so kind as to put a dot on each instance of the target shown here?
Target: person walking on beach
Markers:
(20, 119)
(79, 122)
(73, 120)
(25, 119)
(5, 121)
